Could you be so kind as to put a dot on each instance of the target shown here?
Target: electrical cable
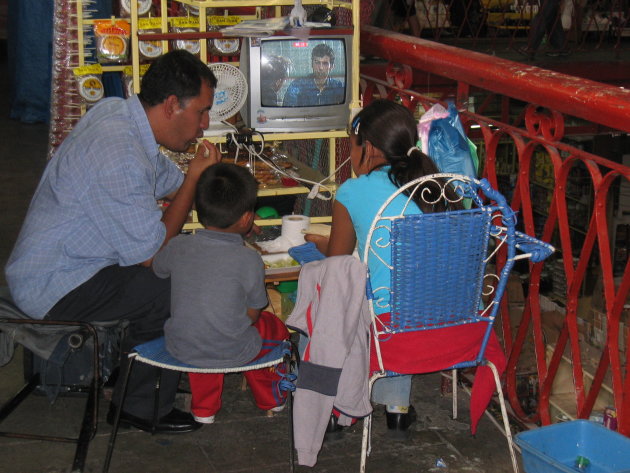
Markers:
(254, 153)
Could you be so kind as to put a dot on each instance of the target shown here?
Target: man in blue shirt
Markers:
(85, 249)
(318, 88)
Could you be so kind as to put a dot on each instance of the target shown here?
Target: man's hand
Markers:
(207, 154)
(255, 230)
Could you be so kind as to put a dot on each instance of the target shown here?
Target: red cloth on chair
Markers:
(427, 351)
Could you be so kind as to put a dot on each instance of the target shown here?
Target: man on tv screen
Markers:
(318, 88)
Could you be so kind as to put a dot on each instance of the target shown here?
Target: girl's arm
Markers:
(342, 238)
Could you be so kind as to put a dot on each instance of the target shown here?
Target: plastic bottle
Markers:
(582, 464)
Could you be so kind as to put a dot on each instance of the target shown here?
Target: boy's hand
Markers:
(207, 154)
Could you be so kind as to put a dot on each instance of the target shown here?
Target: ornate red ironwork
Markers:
(551, 106)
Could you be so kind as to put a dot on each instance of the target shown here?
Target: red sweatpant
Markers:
(207, 388)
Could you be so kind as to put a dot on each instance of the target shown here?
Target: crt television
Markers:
(295, 85)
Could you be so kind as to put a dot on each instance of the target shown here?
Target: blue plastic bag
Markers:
(449, 147)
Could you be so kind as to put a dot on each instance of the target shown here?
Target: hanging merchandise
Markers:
(112, 41)
(223, 46)
(424, 125)
(449, 147)
(149, 50)
(127, 78)
(144, 7)
(89, 83)
(188, 24)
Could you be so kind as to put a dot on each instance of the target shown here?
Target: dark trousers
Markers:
(547, 20)
(136, 294)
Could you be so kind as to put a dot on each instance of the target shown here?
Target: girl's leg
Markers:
(394, 391)
(206, 392)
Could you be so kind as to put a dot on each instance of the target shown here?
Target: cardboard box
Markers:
(552, 322)
(515, 289)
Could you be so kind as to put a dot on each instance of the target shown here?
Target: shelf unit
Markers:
(263, 8)
(332, 136)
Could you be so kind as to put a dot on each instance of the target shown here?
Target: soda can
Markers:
(610, 418)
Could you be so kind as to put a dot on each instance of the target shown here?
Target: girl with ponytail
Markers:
(384, 157)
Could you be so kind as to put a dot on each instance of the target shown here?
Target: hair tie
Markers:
(410, 150)
(355, 125)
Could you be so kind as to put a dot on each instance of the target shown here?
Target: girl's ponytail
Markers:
(391, 128)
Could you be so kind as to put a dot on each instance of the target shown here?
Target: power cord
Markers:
(243, 140)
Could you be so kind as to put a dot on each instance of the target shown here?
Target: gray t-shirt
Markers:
(214, 279)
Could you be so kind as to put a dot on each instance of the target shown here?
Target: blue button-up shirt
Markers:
(95, 206)
(303, 92)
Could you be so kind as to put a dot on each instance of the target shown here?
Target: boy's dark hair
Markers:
(322, 50)
(224, 193)
(178, 73)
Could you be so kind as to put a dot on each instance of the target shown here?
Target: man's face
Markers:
(190, 119)
(321, 67)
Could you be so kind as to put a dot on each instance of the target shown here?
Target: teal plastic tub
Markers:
(556, 447)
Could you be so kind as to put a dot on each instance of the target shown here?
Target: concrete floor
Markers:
(243, 439)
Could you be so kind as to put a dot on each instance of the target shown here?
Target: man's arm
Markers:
(176, 213)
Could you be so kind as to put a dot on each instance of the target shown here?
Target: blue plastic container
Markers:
(554, 448)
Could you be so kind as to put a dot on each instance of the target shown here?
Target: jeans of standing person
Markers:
(547, 20)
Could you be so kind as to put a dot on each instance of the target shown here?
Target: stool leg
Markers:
(90, 416)
(112, 436)
(156, 401)
(289, 361)
(88, 429)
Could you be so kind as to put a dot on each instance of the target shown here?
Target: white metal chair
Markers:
(154, 353)
(448, 271)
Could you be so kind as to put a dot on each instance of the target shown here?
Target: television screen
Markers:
(296, 84)
(300, 73)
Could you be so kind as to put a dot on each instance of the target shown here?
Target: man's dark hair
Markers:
(178, 73)
(224, 193)
(322, 50)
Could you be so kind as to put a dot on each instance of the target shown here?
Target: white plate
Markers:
(279, 258)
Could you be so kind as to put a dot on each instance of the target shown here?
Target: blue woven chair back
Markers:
(438, 264)
(439, 274)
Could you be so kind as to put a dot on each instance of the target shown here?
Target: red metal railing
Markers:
(536, 115)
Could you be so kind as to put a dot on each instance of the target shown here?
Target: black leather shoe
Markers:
(398, 424)
(175, 422)
(334, 431)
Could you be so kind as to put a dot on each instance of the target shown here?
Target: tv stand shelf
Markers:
(263, 3)
(218, 34)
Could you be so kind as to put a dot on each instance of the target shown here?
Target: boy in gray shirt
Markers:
(218, 291)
